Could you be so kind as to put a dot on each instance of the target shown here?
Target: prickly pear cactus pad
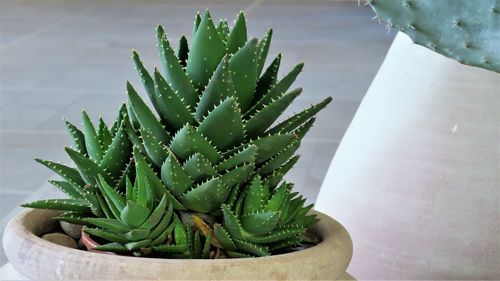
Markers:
(199, 173)
(465, 30)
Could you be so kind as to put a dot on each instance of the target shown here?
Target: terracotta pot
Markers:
(90, 244)
(42, 260)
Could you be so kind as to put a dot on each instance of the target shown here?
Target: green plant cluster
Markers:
(201, 170)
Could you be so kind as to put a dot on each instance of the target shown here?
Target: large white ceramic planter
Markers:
(42, 260)
(416, 179)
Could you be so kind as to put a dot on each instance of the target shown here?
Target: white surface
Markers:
(416, 179)
(7, 272)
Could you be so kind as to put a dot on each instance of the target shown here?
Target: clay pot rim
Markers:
(19, 224)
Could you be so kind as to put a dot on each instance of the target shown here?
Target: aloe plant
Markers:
(262, 221)
(207, 149)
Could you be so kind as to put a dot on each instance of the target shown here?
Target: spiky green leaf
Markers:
(206, 51)
(298, 119)
(264, 118)
(92, 143)
(188, 141)
(145, 117)
(171, 108)
(227, 113)
(174, 72)
(243, 65)
(174, 177)
(238, 36)
(198, 167)
(219, 88)
(77, 137)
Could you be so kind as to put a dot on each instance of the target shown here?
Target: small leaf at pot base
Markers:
(260, 223)
(206, 247)
(111, 247)
(231, 223)
(252, 248)
(180, 235)
(106, 235)
(137, 234)
(171, 248)
(163, 236)
(285, 244)
(237, 255)
(156, 215)
(206, 230)
(224, 238)
(164, 225)
(196, 246)
(108, 224)
(277, 236)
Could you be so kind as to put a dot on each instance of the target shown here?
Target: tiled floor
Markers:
(57, 57)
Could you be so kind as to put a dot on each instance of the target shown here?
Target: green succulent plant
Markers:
(206, 150)
(264, 221)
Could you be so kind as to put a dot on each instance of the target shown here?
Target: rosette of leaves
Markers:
(263, 221)
(98, 151)
(209, 129)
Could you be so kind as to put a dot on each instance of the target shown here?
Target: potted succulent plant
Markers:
(199, 175)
